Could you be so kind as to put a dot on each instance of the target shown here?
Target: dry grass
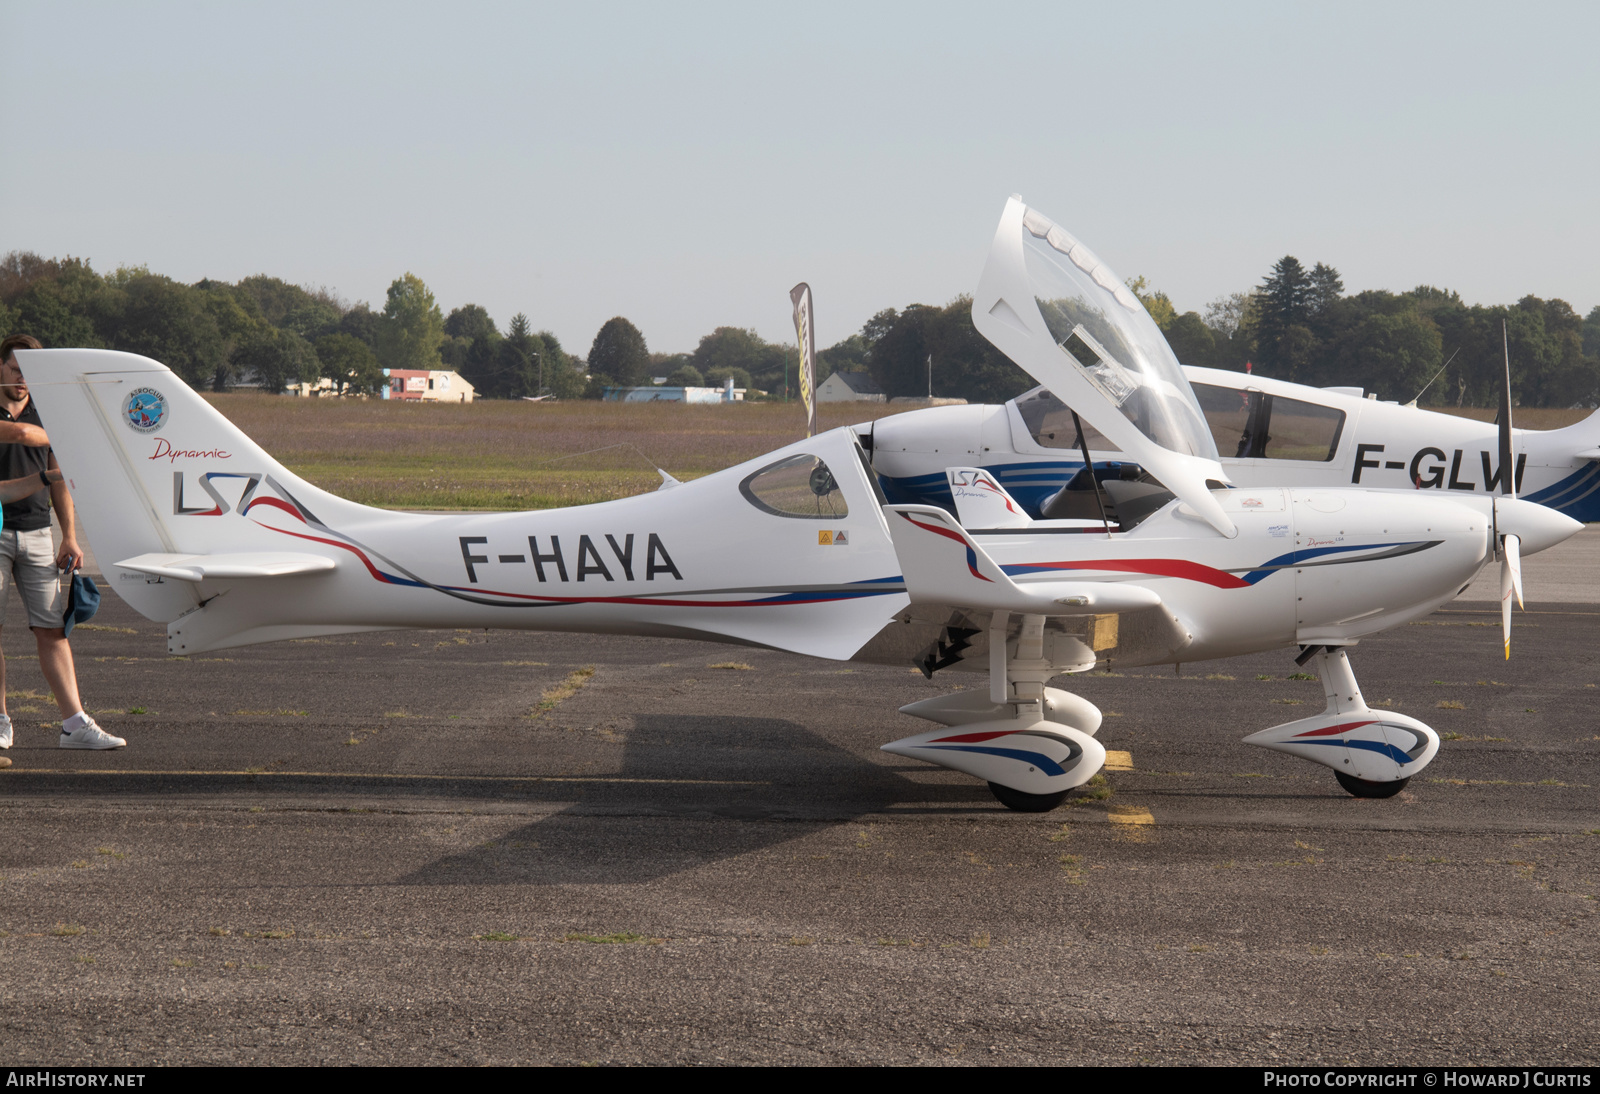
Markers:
(513, 455)
(1532, 417)
(553, 696)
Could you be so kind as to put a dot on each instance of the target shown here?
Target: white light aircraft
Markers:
(200, 528)
(1270, 432)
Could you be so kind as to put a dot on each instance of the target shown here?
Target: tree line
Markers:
(1298, 324)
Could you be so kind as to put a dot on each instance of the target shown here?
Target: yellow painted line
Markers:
(1119, 761)
(1130, 814)
(379, 775)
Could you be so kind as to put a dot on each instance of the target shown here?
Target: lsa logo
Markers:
(218, 505)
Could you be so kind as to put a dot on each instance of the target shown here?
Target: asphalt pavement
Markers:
(457, 847)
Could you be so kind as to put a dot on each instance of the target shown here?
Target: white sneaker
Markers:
(89, 735)
(5, 731)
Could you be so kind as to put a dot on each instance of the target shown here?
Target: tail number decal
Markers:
(590, 561)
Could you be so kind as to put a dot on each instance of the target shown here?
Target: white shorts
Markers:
(28, 562)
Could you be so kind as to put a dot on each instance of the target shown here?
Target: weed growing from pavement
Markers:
(739, 665)
(625, 938)
(554, 696)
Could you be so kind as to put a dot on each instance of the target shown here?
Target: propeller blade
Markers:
(1513, 555)
(1510, 582)
(1505, 605)
(1508, 484)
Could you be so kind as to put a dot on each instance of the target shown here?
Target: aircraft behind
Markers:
(1269, 433)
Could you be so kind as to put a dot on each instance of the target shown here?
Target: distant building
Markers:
(725, 394)
(850, 387)
(427, 386)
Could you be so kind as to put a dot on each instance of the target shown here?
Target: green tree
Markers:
(276, 358)
(619, 355)
(413, 326)
(52, 299)
(513, 370)
(849, 355)
(45, 312)
(1156, 303)
(727, 351)
(470, 321)
(145, 313)
(686, 376)
(965, 365)
(1392, 355)
(562, 375)
(350, 364)
(362, 323)
(1284, 342)
(1191, 340)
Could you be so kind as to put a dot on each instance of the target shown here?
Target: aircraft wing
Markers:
(943, 565)
(959, 594)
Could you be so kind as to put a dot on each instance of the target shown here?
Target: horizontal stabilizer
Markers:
(981, 502)
(943, 565)
(211, 567)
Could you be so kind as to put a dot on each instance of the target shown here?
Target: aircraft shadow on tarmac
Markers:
(681, 780)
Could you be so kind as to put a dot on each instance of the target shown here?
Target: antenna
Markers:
(1436, 375)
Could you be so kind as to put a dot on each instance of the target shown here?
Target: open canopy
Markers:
(1047, 302)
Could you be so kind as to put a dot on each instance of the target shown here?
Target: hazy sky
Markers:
(684, 165)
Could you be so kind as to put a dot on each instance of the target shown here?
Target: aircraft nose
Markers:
(1537, 526)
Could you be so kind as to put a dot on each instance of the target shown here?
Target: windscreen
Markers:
(1109, 337)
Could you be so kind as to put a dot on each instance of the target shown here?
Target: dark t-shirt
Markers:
(18, 460)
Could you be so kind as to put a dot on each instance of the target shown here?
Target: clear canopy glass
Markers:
(1109, 337)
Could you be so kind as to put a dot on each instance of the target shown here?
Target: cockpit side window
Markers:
(1049, 422)
(800, 486)
(1256, 425)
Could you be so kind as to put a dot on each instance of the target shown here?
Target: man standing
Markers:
(29, 562)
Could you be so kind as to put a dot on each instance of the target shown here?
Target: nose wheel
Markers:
(1362, 788)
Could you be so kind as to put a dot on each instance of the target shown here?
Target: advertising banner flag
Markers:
(805, 334)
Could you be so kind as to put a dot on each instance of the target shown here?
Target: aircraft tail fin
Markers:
(147, 460)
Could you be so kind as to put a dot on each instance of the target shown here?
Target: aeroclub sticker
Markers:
(145, 409)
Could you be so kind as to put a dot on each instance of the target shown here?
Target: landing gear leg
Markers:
(1373, 753)
(1030, 743)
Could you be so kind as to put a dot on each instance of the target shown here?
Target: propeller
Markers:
(1510, 544)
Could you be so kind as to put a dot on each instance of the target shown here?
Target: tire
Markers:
(1020, 802)
(1361, 788)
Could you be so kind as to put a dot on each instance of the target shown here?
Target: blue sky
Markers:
(685, 165)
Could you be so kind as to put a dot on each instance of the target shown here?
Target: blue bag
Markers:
(82, 602)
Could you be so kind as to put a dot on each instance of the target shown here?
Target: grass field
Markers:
(513, 455)
(1533, 417)
(516, 455)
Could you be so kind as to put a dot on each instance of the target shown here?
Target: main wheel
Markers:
(1361, 788)
(1027, 803)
